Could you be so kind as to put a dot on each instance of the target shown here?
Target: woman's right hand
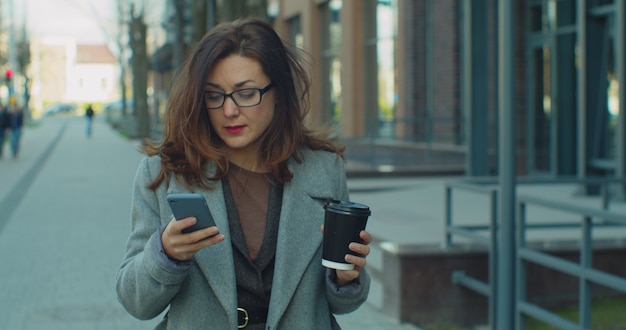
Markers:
(181, 246)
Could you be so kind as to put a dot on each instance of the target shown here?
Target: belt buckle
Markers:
(245, 318)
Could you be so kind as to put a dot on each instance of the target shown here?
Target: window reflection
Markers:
(386, 14)
(612, 105)
(331, 62)
(296, 37)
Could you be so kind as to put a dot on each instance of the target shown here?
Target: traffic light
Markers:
(9, 74)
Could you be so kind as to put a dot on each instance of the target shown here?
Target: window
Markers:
(330, 61)
(295, 32)
(380, 45)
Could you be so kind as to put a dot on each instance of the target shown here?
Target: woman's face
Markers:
(239, 127)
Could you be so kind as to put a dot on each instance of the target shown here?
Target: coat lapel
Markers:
(300, 239)
(216, 261)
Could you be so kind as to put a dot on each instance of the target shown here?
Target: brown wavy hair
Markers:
(189, 143)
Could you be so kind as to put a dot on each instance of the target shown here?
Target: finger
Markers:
(184, 246)
(322, 228)
(360, 249)
(170, 224)
(179, 225)
(202, 234)
(366, 237)
(197, 236)
(358, 262)
(170, 229)
(208, 241)
(171, 240)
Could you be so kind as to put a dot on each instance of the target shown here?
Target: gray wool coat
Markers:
(202, 294)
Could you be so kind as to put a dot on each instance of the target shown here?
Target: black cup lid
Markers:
(347, 207)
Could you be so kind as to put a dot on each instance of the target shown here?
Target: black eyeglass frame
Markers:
(224, 96)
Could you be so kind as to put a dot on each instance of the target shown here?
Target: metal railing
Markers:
(584, 270)
(459, 277)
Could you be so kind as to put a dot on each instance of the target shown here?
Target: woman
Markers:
(234, 132)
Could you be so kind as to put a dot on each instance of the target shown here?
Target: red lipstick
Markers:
(234, 129)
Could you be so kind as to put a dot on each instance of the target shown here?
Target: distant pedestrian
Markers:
(5, 123)
(89, 115)
(16, 119)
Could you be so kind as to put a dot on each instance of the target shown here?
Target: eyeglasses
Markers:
(245, 97)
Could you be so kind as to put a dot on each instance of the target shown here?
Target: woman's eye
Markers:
(246, 94)
(213, 96)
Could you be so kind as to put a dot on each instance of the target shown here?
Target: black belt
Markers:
(249, 316)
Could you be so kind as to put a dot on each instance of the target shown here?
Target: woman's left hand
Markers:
(344, 277)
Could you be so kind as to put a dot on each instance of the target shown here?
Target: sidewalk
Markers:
(64, 220)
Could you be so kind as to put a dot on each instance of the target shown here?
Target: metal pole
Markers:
(493, 256)
(620, 40)
(584, 286)
(475, 87)
(429, 73)
(506, 243)
(581, 10)
(448, 217)
(520, 287)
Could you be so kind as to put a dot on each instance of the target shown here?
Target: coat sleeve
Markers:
(347, 298)
(147, 280)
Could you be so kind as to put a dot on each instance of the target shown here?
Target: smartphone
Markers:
(191, 205)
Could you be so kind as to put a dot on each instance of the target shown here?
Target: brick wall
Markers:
(418, 286)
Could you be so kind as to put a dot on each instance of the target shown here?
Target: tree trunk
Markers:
(140, 74)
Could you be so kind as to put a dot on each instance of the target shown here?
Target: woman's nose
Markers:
(230, 108)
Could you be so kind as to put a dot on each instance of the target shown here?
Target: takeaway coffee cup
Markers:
(343, 221)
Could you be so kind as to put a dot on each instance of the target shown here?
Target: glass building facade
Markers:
(414, 84)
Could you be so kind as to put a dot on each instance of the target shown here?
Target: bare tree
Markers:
(139, 62)
(180, 48)
(121, 50)
(3, 54)
(199, 20)
(23, 60)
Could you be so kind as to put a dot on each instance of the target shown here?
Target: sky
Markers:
(85, 20)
